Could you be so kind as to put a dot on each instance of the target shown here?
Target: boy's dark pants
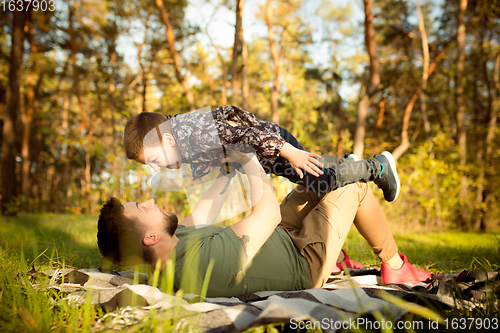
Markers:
(337, 172)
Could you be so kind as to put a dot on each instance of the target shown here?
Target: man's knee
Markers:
(359, 189)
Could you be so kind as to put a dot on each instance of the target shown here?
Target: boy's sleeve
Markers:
(267, 145)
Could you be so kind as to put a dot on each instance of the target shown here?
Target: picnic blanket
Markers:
(343, 301)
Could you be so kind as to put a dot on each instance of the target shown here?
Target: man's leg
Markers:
(372, 225)
(335, 213)
(322, 232)
(295, 207)
(318, 225)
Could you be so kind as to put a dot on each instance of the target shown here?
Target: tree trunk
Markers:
(76, 79)
(489, 168)
(461, 131)
(66, 155)
(366, 97)
(245, 86)
(211, 84)
(380, 120)
(144, 73)
(12, 98)
(405, 141)
(425, 71)
(224, 71)
(182, 79)
(276, 61)
(340, 148)
(28, 115)
(36, 174)
(480, 123)
(88, 176)
(50, 188)
(495, 110)
(237, 51)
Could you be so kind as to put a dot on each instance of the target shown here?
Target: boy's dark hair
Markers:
(119, 237)
(138, 126)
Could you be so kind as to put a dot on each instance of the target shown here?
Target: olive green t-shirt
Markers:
(277, 266)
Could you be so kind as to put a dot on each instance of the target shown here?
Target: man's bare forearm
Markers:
(210, 204)
(262, 193)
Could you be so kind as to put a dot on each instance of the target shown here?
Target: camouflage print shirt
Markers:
(204, 138)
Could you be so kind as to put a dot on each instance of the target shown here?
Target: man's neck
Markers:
(163, 252)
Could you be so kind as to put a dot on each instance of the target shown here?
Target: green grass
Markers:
(54, 241)
(72, 237)
(437, 252)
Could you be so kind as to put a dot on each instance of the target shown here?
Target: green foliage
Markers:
(430, 184)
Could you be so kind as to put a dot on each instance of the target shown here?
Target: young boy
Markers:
(201, 140)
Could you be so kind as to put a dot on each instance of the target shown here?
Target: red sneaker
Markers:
(348, 262)
(406, 273)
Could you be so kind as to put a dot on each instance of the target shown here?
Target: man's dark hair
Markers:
(138, 126)
(120, 238)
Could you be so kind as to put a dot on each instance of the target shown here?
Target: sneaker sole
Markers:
(392, 163)
(354, 157)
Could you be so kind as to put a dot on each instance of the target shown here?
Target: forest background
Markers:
(418, 78)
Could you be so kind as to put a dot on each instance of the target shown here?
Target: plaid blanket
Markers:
(343, 302)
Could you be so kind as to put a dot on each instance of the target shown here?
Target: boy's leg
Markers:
(333, 177)
(285, 134)
(381, 169)
(337, 172)
(326, 160)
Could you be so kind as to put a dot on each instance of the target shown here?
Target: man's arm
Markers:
(254, 230)
(210, 204)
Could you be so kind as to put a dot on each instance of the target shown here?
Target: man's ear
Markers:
(168, 139)
(151, 239)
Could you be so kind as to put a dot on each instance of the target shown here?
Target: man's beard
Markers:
(170, 222)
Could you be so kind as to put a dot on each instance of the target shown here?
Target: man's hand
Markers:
(302, 160)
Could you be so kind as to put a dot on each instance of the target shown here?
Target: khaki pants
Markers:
(318, 225)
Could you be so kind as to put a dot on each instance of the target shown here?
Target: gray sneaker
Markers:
(388, 180)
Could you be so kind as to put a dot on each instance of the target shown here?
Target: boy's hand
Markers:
(302, 160)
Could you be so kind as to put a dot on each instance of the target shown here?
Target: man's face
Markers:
(147, 213)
